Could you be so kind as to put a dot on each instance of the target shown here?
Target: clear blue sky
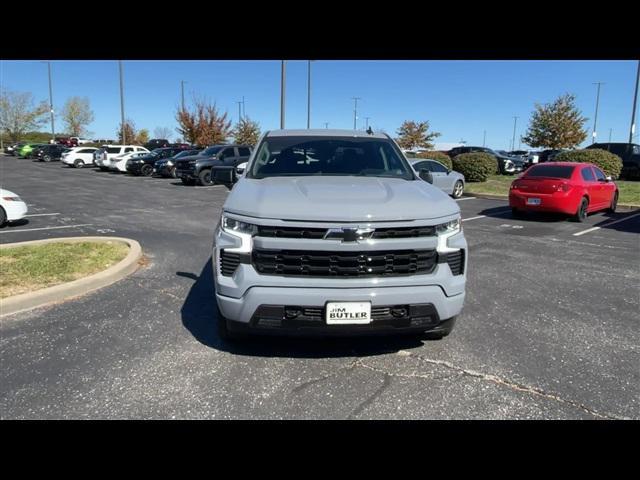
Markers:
(460, 99)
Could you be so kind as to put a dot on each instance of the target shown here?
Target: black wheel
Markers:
(146, 170)
(172, 173)
(204, 177)
(186, 181)
(3, 217)
(614, 203)
(78, 163)
(458, 189)
(47, 158)
(441, 331)
(581, 214)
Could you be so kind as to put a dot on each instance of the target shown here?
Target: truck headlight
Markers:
(449, 228)
(231, 225)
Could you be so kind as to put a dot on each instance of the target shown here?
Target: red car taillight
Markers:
(514, 185)
(564, 187)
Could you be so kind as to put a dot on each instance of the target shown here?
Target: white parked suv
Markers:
(78, 156)
(107, 152)
(119, 163)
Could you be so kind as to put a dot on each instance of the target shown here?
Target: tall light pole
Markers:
(595, 119)
(308, 94)
(239, 111)
(632, 130)
(282, 87)
(182, 82)
(366, 119)
(53, 129)
(484, 138)
(326, 124)
(124, 138)
(355, 111)
(513, 140)
(610, 130)
(244, 113)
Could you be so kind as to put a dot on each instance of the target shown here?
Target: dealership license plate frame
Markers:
(352, 307)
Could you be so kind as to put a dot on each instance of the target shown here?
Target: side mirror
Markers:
(241, 168)
(609, 179)
(224, 175)
(425, 175)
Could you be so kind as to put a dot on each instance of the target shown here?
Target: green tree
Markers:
(18, 114)
(142, 137)
(413, 134)
(556, 125)
(76, 115)
(247, 132)
(130, 132)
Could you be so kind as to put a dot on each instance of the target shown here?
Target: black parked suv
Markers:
(156, 143)
(47, 153)
(197, 168)
(166, 167)
(506, 163)
(144, 165)
(628, 152)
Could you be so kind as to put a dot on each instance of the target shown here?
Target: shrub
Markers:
(476, 167)
(443, 158)
(609, 163)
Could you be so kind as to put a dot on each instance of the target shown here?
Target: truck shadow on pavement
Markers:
(199, 316)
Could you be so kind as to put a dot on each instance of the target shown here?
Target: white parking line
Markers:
(46, 228)
(465, 198)
(593, 229)
(41, 214)
(473, 218)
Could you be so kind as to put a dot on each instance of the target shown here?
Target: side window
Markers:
(587, 174)
(226, 153)
(422, 165)
(437, 167)
(128, 149)
(244, 152)
(599, 174)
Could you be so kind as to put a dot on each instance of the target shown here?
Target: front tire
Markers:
(458, 189)
(204, 177)
(173, 173)
(46, 158)
(444, 329)
(614, 203)
(3, 217)
(581, 214)
(78, 163)
(146, 170)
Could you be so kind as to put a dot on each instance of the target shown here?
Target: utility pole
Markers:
(366, 127)
(239, 111)
(182, 82)
(124, 139)
(355, 111)
(513, 140)
(484, 138)
(326, 124)
(308, 94)
(244, 113)
(282, 87)
(53, 130)
(610, 130)
(595, 120)
(632, 130)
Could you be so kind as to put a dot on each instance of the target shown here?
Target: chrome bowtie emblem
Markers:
(349, 234)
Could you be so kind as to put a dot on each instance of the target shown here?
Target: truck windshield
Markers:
(329, 156)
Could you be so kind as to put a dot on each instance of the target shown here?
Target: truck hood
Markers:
(342, 199)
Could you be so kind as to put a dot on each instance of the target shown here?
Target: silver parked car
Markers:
(450, 181)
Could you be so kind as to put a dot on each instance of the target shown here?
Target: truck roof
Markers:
(323, 132)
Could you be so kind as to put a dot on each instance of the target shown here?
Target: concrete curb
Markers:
(65, 291)
(620, 208)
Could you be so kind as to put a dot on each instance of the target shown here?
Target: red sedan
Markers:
(563, 187)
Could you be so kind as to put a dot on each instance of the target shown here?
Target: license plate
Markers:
(348, 313)
(533, 201)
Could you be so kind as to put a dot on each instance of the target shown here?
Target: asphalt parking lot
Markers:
(550, 327)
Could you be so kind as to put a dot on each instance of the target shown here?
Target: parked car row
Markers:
(508, 164)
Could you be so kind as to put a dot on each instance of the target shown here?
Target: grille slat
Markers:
(346, 264)
(319, 233)
(228, 262)
(456, 262)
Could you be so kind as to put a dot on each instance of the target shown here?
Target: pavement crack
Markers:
(371, 398)
(512, 385)
(308, 383)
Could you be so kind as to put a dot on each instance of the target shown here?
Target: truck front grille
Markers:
(344, 264)
(456, 262)
(319, 233)
(228, 262)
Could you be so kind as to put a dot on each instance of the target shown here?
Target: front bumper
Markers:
(15, 210)
(163, 170)
(187, 174)
(134, 168)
